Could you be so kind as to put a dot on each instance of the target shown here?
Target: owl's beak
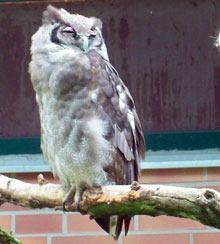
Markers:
(84, 43)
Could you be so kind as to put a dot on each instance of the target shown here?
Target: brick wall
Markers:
(50, 227)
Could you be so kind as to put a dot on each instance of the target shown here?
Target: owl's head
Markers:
(62, 30)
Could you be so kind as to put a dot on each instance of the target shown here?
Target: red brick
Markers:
(32, 177)
(204, 238)
(157, 238)
(27, 177)
(12, 207)
(85, 240)
(5, 223)
(213, 174)
(217, 188)
(47, 223)
(7, 174)
(33, 240)
(82, 223)
(171, 175)
(167, 223)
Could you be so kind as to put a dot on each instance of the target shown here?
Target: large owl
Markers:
(90, 132)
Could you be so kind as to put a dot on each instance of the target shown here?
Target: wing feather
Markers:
(115, 104)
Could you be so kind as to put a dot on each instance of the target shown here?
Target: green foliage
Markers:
(8, 238)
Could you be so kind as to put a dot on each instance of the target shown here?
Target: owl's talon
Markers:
(67, 207)
(64, 206)
(69, 198)
(77, 206)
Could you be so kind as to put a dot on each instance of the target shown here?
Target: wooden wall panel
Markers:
(162, 49)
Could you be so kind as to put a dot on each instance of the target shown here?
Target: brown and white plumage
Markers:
(91, 134)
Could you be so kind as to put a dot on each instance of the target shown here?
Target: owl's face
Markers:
(77, 38)
(69, 31)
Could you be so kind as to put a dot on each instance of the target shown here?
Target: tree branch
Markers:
(202, 205)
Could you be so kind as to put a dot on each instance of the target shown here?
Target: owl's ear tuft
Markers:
(97, 22)
(51, 15)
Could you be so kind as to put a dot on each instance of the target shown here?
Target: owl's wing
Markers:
(116, 106)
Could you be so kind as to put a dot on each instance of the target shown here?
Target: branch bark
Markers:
(202, 205)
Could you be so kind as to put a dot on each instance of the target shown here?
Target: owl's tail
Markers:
(113, 225)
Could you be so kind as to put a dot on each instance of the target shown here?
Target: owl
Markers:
(90, 132)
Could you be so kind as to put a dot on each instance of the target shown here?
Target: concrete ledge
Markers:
(154, 160)
(181, 159)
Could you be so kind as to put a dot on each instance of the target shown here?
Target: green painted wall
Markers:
(154, 141)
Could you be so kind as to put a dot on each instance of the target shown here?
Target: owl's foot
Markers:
(74, 195)
(69, 199)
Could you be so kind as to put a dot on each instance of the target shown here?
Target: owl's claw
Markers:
(69, 199)
(73, 198)
(67, 207)
(74, 195)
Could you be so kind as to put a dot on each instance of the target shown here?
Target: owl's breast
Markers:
(73, 138)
